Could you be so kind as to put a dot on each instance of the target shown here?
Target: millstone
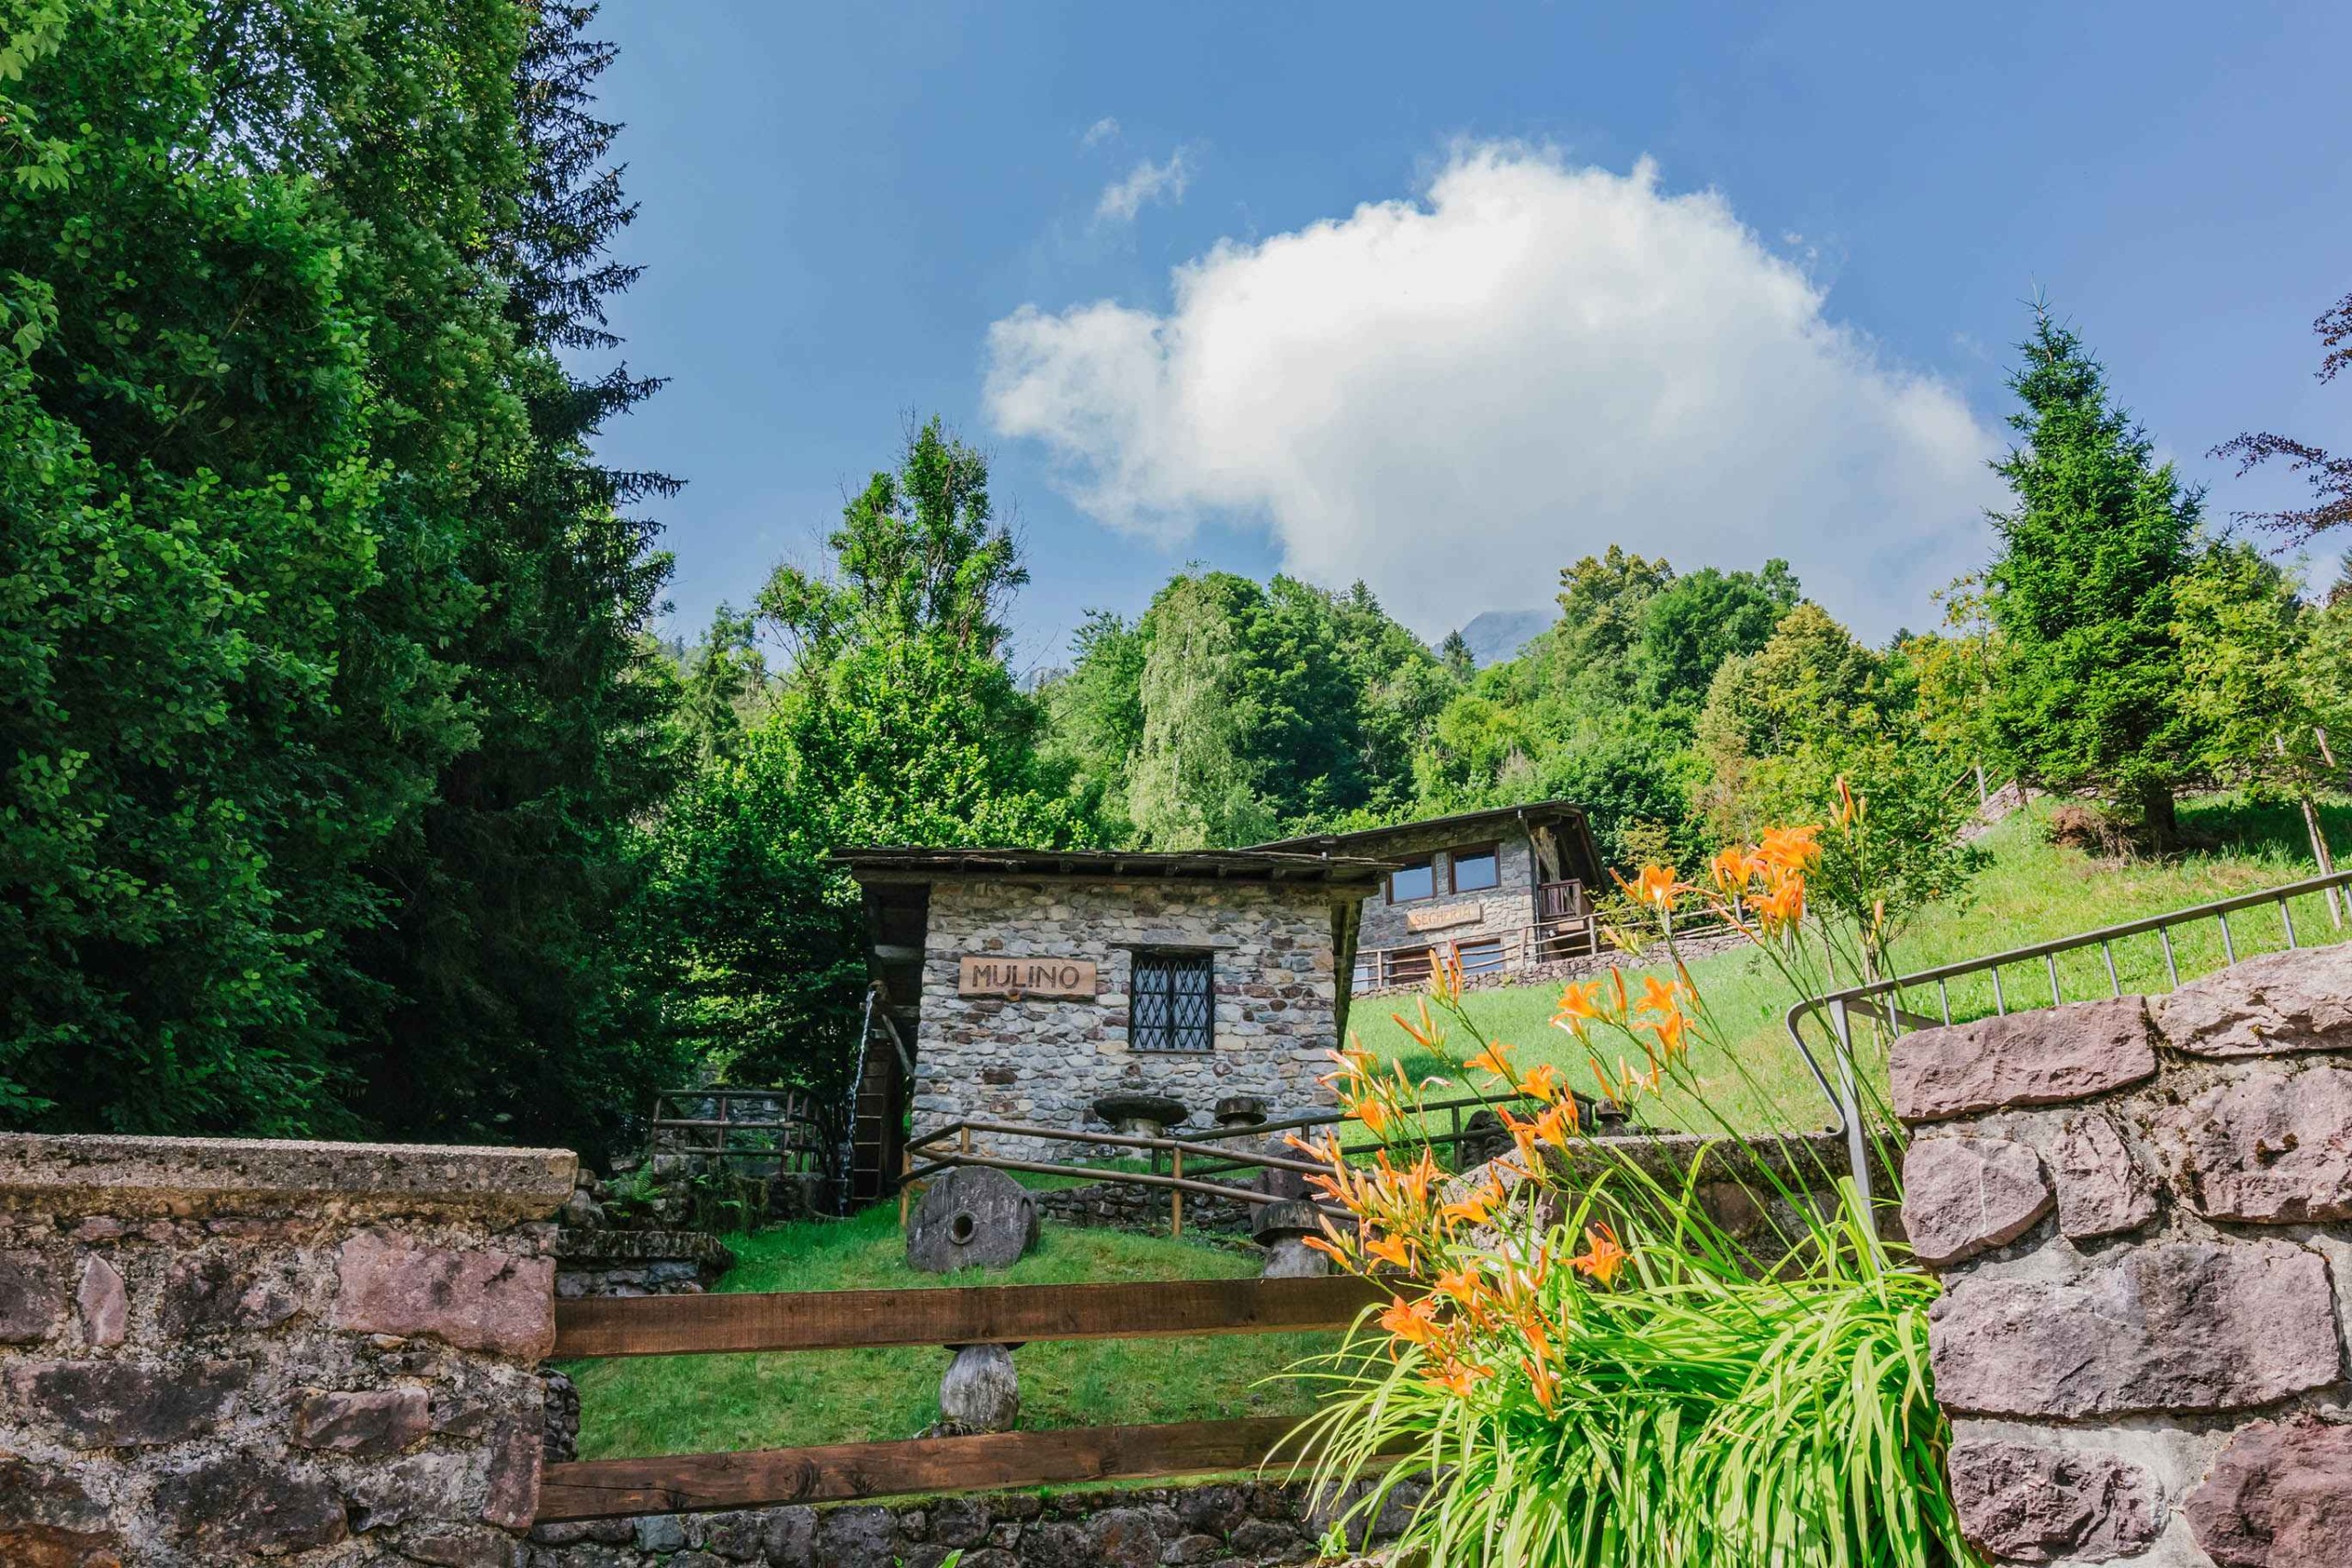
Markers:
(972, 1218)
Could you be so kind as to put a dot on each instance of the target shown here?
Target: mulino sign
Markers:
(1017, 977)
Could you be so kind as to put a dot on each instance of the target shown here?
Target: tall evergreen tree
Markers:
(505, 945)
(2081, 594)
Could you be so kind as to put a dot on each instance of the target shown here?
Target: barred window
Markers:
(1173, 1005)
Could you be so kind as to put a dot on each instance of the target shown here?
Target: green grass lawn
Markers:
(675, 1405)
(2031, 891)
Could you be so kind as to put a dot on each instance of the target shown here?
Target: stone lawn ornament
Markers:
(1141, 1115)
(972, 1218)
(1236, 1111)
(1283, 1229)
(981, 1392)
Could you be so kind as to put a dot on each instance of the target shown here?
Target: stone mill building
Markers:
(1023, 985)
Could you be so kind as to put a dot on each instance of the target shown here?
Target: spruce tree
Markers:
(2082, 595)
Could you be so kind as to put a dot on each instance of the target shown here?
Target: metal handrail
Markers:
(1840, 1005)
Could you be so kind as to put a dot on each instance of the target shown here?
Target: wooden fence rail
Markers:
(974, 1314)
(846, 1320)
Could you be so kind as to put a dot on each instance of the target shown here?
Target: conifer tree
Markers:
(2087, 691)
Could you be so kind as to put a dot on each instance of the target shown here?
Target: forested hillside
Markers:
(350, 791)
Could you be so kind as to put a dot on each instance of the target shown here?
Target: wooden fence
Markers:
(846, 1320)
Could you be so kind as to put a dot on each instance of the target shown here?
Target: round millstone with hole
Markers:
(972, 1218)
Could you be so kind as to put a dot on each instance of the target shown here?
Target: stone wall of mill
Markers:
(2141, 1213)
(218, 1352)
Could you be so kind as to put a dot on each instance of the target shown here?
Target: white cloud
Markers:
(1101, 130)
(1147, 181)
(1453, 398)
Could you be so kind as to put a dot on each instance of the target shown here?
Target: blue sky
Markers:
(1448, 296)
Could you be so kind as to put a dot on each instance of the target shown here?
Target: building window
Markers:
(1172, 1004)
(1484, 956)
(1476, 869)
(1412, 880)
(1409, 966)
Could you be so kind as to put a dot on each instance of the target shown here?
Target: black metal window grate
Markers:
(1173, 1005)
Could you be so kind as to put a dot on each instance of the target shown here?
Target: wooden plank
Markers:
(611, 1488)
(974, 1314)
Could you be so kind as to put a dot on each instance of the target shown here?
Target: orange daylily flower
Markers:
(1455, 1378)
(1604, 1257)
(1654, 887)
(1476, 1207)
(1414, 1322)
(1542, 1084)
(1369, 1111)
(1391, 1249)
(1578, 1000)
(1328, 1248)
(1463, 1284)
(1790, 849)
(1782, 907)
(1495, 1059)
(1731, 869)
(1659, 996)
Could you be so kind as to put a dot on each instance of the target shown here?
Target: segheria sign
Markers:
(1017, 977)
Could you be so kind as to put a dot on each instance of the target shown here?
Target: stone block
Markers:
(2102, 1189)
(114, 1405)
(1214, 1509)
(2043, 1057)
(2298, 1000)
(2181, 1326)
(739, 1535)
(1963, 1196)
(959, 1522)
(516, 1459)
(426, 1487)
(2027, 1504)
(1123, 1538)
(476, 1301)
(48, 1518)
(240, 1503)
(859, 1536)
(2272, 1147)
(791, 1539)
(658, 1532)
(101, 1304)
(458, 1546)
(366, 1425)
(2279, 1496)
(30, 1302)
(212, 1292)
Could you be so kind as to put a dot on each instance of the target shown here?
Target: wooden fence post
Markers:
(1176, 1198)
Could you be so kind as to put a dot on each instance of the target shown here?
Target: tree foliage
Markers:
(2083, 592)
(320, 626)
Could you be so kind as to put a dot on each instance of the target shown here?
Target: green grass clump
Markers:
(676, 1404)
(2029, 891)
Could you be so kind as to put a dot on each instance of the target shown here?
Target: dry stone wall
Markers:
(2141, 1210)
(217, 1352)
(1216, 1524)
(1047, 1060)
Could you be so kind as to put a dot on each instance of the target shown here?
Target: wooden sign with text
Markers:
(1017, 977)
(1439, 919)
